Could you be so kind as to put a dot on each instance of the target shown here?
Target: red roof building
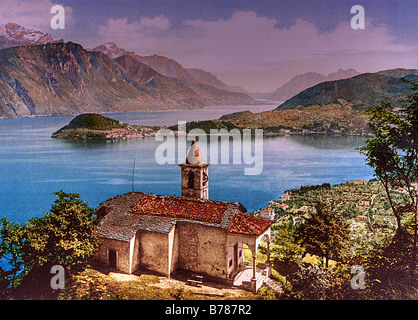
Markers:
(166, 233)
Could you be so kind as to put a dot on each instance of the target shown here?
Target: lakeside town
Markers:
(131, 133)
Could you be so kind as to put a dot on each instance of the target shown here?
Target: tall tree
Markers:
(64, 236)
(323, 234)
(393, 153)
(288, 250)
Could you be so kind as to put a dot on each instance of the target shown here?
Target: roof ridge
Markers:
(192, 199)
(180, 207)
(118, 196)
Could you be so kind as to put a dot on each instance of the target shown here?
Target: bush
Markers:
(311, 283)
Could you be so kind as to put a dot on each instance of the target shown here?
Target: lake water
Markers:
(33, 165)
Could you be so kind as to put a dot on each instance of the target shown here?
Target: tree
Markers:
(387, 267)
(393, 153)
(323, 234)
(289, 252)
(64, 236)
(10, 252)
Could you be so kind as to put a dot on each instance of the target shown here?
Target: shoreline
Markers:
(129, 135)
(261, 103)
(148, 132)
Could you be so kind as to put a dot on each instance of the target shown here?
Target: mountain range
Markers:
(40, 76)
(199, 80)
(64, 78)
(332, 106)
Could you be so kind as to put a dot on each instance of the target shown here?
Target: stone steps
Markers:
(273, 285)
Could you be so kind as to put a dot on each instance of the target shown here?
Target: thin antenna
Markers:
(133, 176)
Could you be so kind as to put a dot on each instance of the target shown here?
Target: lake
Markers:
(33, 165)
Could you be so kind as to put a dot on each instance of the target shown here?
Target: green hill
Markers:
(93, 121)
(88, 126)
(362, 91)
(98, 127)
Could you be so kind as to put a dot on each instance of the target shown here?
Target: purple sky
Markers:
(257, 44)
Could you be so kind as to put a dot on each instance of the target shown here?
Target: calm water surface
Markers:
(33, 166)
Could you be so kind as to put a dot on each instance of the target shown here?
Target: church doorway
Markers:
(236, 255)
(113, 259)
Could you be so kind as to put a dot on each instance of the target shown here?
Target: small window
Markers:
(190, 180)
(230, 263)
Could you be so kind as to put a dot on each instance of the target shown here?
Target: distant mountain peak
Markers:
(12, 34)
(208, 89)
(303, 81)
(110, 45)
(342, 74)
(112, 50)
(11, 26)
(164, 65)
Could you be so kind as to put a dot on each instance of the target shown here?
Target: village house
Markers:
(412, 187)
(357, 182)
(283, 206)
(363, 203)
(402, 190)
(361, 218)
(286, 196)
(167, 233)
(267, 213)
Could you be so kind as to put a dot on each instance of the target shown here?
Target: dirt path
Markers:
(169, 283)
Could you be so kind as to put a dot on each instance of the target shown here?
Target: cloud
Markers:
(31, 14)
(144, 32)
(145, 26)
(251, 51)
(246, 38)
(251, 48)
(249, 38)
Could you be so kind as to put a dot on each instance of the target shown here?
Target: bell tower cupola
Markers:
(195, 174)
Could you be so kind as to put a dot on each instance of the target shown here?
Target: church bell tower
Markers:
(195, 175)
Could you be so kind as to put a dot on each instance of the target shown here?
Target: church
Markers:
(166, 233)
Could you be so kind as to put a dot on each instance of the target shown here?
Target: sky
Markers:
(256, 44)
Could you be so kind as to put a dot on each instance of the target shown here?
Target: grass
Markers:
(95, 285)
(94, 121)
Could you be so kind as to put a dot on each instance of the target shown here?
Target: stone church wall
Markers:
(202, 249)
(122, 249)
(152, 251)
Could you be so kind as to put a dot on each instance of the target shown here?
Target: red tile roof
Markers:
(226, 215)
(176, 207)
(249, 225)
